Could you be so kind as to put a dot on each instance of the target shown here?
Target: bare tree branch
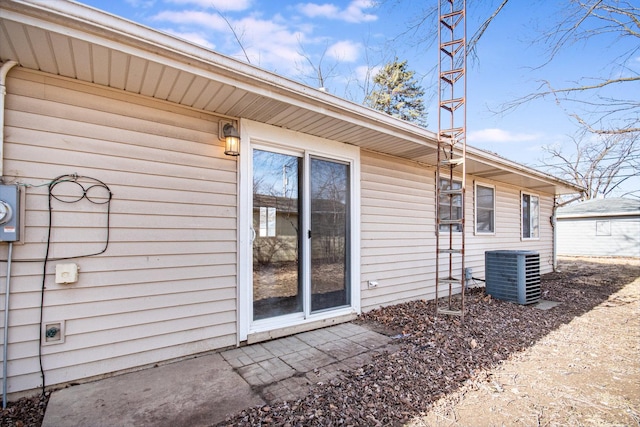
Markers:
(235, 34)
(596, 106)
(618, 131)
(319, 75)
(574, 25)
(597, 164)
(473, 42)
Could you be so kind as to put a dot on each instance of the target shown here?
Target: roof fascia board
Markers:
(598, 215)
(501, 163)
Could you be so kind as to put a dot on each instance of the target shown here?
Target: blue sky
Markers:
(351, 39)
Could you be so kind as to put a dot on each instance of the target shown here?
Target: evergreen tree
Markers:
(397, 93)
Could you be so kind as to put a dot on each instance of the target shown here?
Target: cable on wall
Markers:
(71, 188)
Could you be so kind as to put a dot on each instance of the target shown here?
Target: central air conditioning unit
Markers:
(513, 275)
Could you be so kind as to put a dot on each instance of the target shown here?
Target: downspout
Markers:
(554, 228)
(4, 70)
(554, 233)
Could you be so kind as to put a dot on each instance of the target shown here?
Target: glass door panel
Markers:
(277, 281)
(329, 201)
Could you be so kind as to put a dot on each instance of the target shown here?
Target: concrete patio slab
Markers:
(203, 391)
(195, 392)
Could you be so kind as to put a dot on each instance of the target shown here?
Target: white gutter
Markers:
(4, 70)
(598, 215)
(499, 162)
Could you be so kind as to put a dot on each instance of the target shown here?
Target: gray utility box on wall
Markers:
(9, 213)
(513, 275)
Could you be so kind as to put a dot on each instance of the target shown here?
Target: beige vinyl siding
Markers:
(507, 227)
(166, 286)
(398, 230)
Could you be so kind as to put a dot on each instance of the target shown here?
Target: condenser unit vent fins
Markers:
(513, 275)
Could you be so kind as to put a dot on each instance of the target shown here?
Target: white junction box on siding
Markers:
(66, 273)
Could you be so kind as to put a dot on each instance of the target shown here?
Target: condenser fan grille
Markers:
(513, 276)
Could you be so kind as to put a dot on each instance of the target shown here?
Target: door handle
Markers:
(253, 234)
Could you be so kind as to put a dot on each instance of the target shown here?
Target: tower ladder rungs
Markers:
(446, 133)
(456, 161)
(450, 281)
(456, 192)
(450, 221)
(450, 251)
(450, 312)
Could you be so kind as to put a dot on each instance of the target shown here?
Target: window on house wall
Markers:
(450, 207)
(485, 209)
(267, 221)
(603, 228)
(530, 216)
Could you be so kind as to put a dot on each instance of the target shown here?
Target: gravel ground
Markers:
(584, 373)
(437, 358)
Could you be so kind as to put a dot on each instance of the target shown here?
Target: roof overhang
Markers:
(588, 215)
(78, 42)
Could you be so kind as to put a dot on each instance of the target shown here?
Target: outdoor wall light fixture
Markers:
(231, 140)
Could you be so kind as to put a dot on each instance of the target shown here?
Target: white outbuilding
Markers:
(601, 227)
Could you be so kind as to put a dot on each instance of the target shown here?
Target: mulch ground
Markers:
(435, 357)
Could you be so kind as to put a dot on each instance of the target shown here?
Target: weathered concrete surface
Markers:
(203, 391)
(193, 392)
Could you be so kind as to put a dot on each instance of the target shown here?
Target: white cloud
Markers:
(366, 73)
(194, 37)
(500, 135)
(269, 44)
(352, 13)
(221, 5)
(345, 50)
(145, 4)
(274, 43)
(313, 10)
(192, 17)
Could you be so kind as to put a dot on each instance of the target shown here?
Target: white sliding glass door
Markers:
(300, 260)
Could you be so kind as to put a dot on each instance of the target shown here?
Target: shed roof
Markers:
(601, 207)
(79, 42)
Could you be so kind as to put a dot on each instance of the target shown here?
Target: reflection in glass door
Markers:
(277, 282)
(329, 184)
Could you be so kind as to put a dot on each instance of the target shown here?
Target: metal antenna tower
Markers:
(452, 126)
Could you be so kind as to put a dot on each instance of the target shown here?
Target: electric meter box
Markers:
(9, 213)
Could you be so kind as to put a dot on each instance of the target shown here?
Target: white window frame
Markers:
(603, 228)
(493, 208)
(445, 228)
(260, 135)
(532, 225)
